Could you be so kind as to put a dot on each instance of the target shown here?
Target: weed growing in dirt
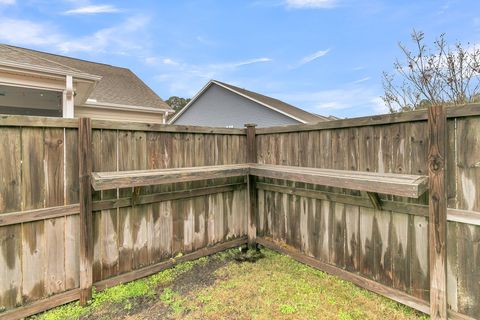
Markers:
(172, 299)
(123, 294)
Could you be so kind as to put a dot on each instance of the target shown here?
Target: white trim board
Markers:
(105, 105)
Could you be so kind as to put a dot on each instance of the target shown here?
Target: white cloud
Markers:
(444, 8)
(125, 38)
(361, 80)
(170, 62)
(242, 63)
(151, 60)
(205, 41)
(359, 68)
(348, 100)
(7, 2)
(314, 56)
(93, 9)
(187, 79)
(24, 32)
(311, 4)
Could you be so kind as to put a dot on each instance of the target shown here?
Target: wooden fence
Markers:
(341, 227)
(39, 206)
(136, 233)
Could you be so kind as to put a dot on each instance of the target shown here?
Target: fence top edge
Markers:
(7, 120)
(48, 122)
(141, 126)
(384, 119)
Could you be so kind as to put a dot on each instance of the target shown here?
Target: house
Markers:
(219, 104)
(43, 84)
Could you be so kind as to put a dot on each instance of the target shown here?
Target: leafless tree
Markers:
(442, 75)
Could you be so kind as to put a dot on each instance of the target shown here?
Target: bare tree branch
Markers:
(442, 75)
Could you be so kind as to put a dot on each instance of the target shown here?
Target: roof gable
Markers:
(269, 102)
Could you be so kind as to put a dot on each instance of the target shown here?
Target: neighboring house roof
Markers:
(269, 102)
(117, 86)
(277, 104)
(15, 57)
(328, 117)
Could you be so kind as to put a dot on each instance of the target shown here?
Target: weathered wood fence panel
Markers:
(40, 258)
(137, 230)
(388, 246)
(132, 229)
(135, 236)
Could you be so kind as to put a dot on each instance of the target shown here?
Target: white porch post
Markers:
(68, 99)
(165, 116)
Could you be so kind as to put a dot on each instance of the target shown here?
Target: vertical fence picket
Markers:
(252, 191)
(86, 232)
(437, 227)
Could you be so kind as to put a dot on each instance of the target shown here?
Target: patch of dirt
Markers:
(123, 310)
(200, 276)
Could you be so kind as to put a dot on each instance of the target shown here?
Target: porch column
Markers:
(68, 98)
(164, 117)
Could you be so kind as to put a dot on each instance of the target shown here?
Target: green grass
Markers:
(121, 294)
(278, 287)
(275, 287)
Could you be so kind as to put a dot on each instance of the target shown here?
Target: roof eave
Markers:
(50, 71)
(199, 93)
(106, 105)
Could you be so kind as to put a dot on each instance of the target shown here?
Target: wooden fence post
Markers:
(86, 233)
(437, 208)
(251, 188)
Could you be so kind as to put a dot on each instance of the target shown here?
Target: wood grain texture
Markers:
(137, 178)
(97, 215)
(54, 196)
(72, 228)
(387, 183)
(437, 227)
(33, 196)
(41, 305)
(86, 232)
(34, 121)
(467, 193)
(109, 218)
(252, 202)
(125, 241)
(140, 126)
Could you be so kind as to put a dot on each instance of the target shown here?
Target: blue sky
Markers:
(325, 56)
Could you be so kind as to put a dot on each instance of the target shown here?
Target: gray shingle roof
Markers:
(117, 86)
(278, 104)
(16, 55)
